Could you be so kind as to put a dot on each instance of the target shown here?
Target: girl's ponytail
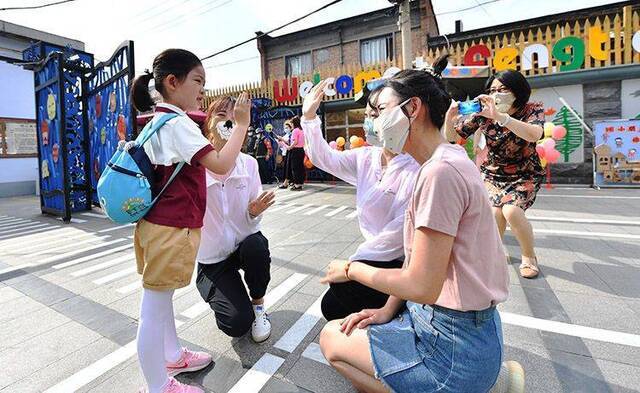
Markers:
(140, 95)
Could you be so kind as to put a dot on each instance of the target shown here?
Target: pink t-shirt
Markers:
(450, 197)
(297, 138)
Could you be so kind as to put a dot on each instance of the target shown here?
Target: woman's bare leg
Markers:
(500, 220)
(521, 228)
(350, 356)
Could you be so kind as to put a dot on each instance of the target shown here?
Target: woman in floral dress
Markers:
(512, 171)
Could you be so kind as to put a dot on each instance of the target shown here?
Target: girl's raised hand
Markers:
(242, 110)
(313, 99)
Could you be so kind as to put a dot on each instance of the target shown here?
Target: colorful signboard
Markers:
(617, 153)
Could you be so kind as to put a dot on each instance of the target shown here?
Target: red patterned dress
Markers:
(512, 171)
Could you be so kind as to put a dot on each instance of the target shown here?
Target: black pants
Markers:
(297, 165)
(265, 170)
(288, 175)
(351, 296)
(221, 286)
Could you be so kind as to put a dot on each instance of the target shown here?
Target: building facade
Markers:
(584, 62)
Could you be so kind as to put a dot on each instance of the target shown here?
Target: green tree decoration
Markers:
(573, 139)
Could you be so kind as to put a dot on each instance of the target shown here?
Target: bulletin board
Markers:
(18, 138)
(617, 153)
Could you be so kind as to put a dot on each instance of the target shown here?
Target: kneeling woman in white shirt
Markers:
(232, 241)
(384, 182)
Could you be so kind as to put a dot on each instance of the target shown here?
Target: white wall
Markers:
(17, 100)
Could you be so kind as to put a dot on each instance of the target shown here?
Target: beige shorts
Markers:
(165, 255)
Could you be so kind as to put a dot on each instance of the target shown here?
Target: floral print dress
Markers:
(512, 171)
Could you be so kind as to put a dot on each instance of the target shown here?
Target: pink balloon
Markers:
(552, 156)
(558, 132)
(540, 151)
(549, 144)
(333, 145)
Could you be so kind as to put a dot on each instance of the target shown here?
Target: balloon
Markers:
(543, 162)
(357, 142)
(333, 145)
(353, 139)
(558, 132)
(540, 150)
(548, 144)
(361, 141)
(341, 141)
(548, 129)
(552, 156)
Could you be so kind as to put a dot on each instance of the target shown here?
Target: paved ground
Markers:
(69, 299)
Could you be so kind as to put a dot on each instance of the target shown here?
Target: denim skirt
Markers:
(431, 348)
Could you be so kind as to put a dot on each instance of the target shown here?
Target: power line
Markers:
(271, 31)
(468, 8)
(180, 20)
(232, 62)
(34, 7)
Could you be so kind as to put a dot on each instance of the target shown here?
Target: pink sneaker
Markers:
(189, 361)
(176, 387)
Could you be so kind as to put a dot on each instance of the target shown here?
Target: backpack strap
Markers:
(173, 176)
(153, 127)
(147, 133)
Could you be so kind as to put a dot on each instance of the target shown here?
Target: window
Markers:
(299, 64)
(376, 50)
(344, 124)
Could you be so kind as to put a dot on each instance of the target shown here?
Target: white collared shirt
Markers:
(381, 198)
(227, 221)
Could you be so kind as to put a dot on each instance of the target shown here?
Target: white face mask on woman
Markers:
(370, 133)
(393, 128)
(504, 101)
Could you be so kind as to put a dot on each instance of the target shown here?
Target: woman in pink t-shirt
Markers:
(439, 330)
(296, 155)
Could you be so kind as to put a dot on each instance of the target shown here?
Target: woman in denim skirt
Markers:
(439, 330)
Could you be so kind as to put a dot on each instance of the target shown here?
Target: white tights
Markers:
(157, 337)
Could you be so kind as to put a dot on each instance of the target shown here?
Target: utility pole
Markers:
(404, 23)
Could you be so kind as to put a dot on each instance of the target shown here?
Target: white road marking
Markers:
(116, 228)
(31, 226)
(336, 211)
(94, 256)
(294, 194)
(80, 251)
(74, 220)
(584, 233)
(94, 370)
(96, 215)
(114, 276)
(351, 215)
(39, 237)
(75, 243)
(299, 208)
(14, 268)
(609, 336)
(279, 207)
(296, 333)
(31, 231)
(583, 220)
(313, 352)
(255, 379)
(317, 209)
(16, 223)
(127, 289)
(103, 265)
(586, 196)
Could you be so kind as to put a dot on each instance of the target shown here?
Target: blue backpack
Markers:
(124, 188)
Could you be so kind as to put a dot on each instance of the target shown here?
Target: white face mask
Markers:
(504, 101)
(224, 129)
(393, 128)
(287, 129)
(370, 133)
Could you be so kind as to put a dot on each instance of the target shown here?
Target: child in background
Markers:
(167, 239)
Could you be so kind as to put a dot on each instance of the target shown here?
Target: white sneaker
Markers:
(261, 328)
